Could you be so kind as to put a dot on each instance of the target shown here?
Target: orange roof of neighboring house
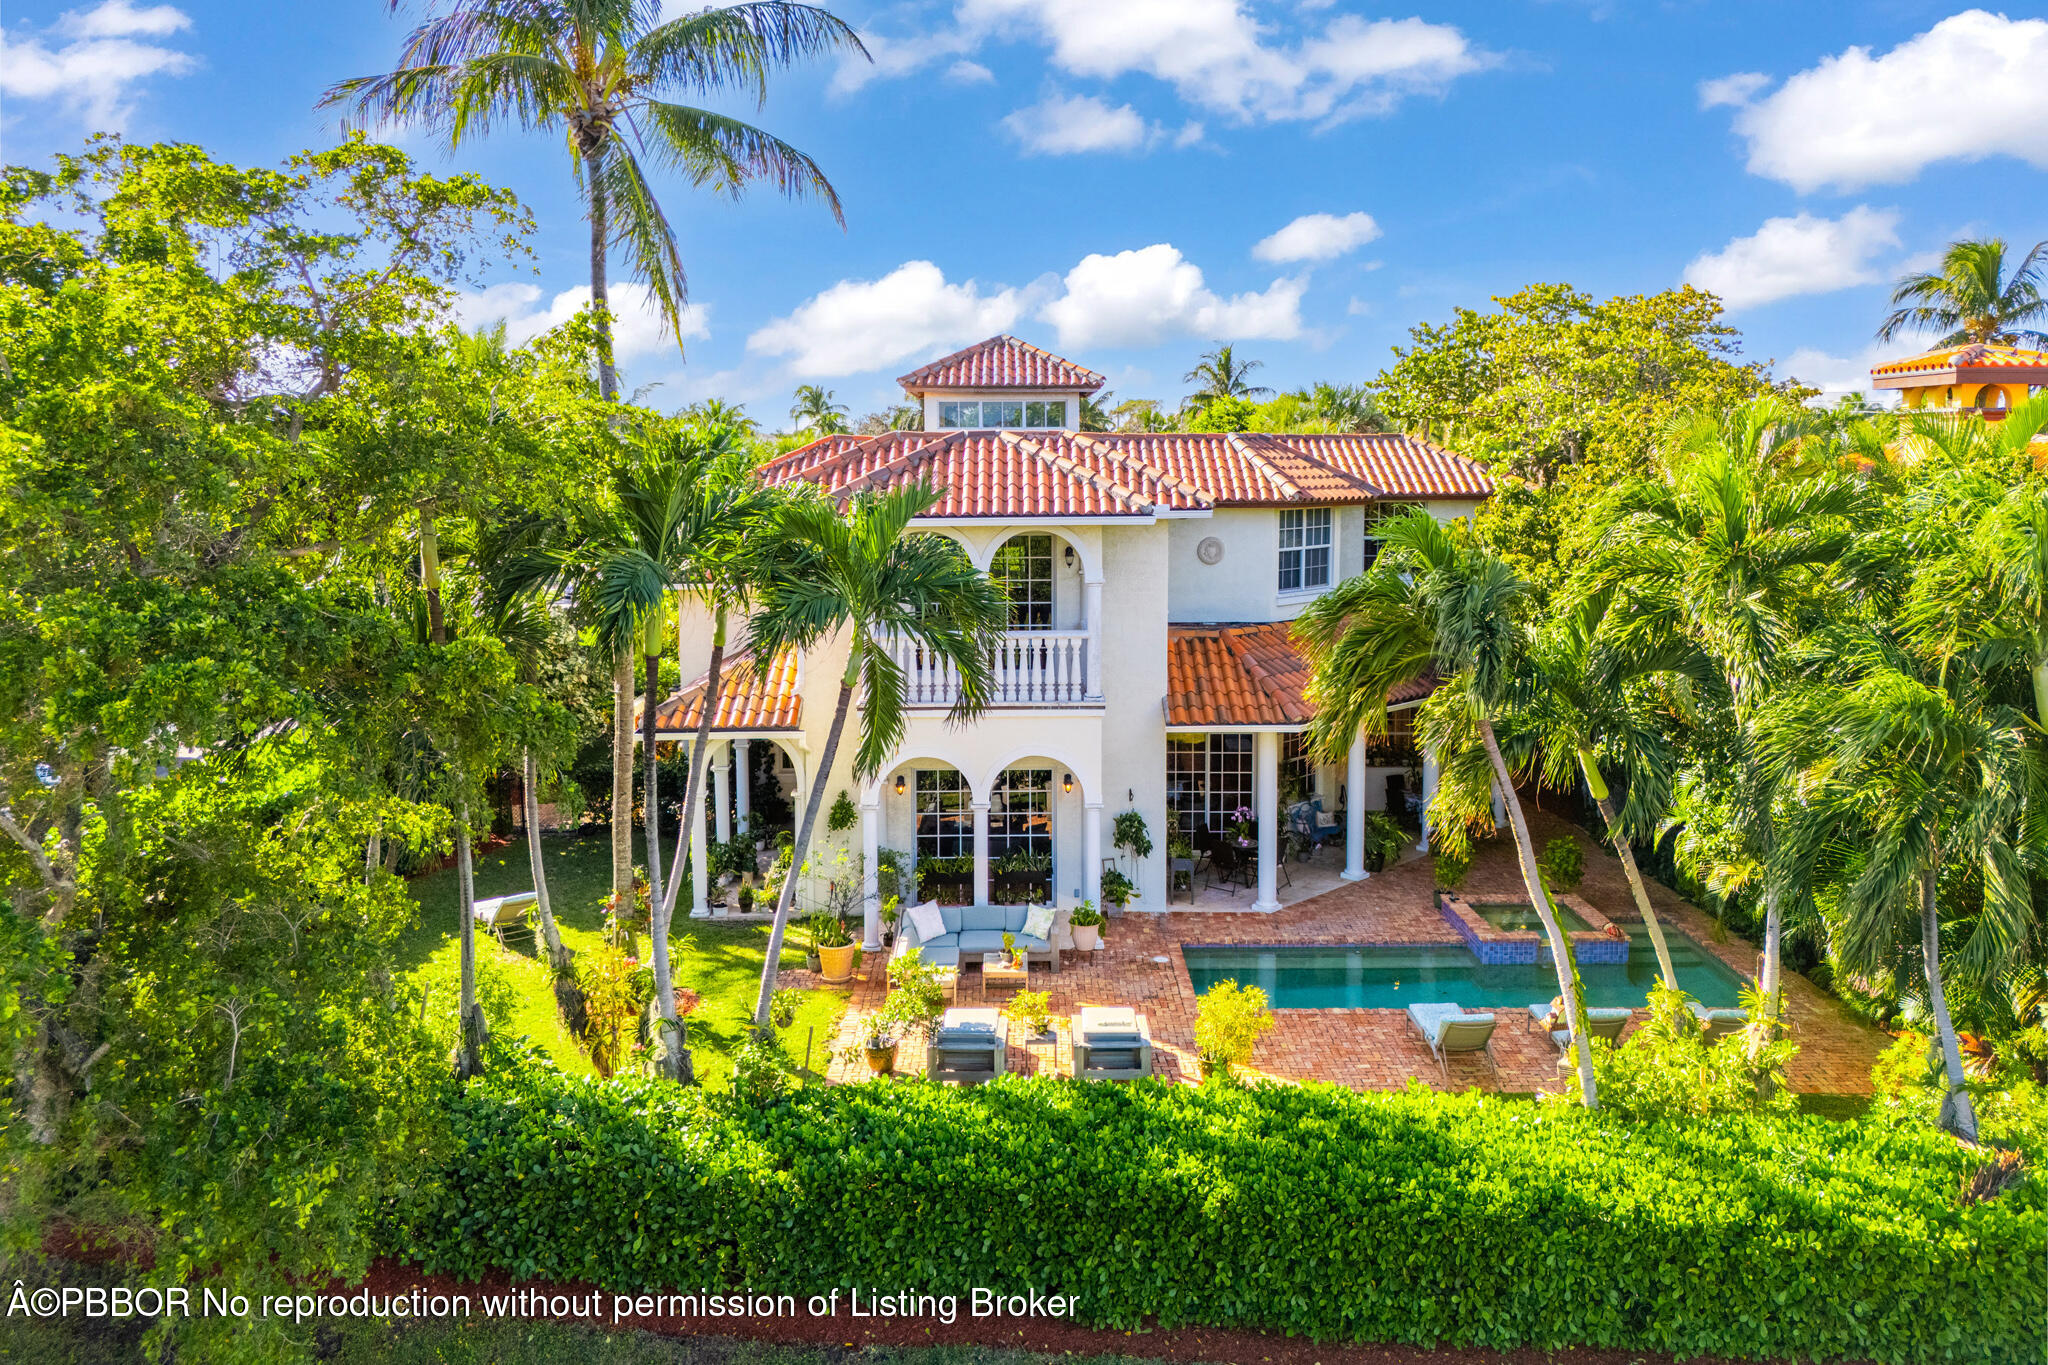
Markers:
(1096, 473)
(749, 698)
(1244, 675)
(1001, 362)
(1977, 363)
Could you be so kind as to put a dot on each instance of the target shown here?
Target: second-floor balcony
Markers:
(1031, 668)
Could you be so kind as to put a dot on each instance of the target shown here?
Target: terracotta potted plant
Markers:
(1086, 922)
(835, 947)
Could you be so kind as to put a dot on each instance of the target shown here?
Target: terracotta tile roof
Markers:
(749, 698)
(1001, 362)
(1978, 362)
(1244, 675)
(1091, 473)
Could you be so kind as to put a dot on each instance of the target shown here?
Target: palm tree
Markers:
(1735, 550)
(594, 72)
(1219, 374)
(1346, 407)
(1971, 298)
(815, 412)
(1903, 773)
(1436, 602)
(716, 412)
(861, 576)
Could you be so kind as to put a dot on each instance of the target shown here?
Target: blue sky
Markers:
(1126, 181)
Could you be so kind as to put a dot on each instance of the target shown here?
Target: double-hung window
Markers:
(1022, 568)
(1305, 542)
(945, 816)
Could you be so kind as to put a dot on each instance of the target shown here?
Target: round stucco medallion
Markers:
(1210, 551)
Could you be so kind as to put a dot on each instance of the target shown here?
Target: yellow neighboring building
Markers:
(1983, 378)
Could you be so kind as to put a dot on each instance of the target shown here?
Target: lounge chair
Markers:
(504, 914)
(1718, 1023)
(1448, 1028)
(1111, 1044)
(1601, 1023)
(968, 1046)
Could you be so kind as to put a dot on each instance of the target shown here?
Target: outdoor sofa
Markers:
(971, 930)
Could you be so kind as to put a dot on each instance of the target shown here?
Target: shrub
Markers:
(1032, 1009)
(1668, 1070)
(827, 931)
(760, 1071)
(1384, 840)
(842, 815)
(1407, 1217)
(1229, 1021)
(1562, 864)
(1117, 889)
(1453, 865)
(1907, 1083)
(1085, 916)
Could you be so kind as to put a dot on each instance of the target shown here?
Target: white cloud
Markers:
(1802, 255)
(964, 72)
(1318, 237)
(638, 327)
(1835, 375)
(1973, 86)
(1738, 89)
(1214, 53)
(1137, 298)
(861, 325)
(90, 61)
(1059, 125)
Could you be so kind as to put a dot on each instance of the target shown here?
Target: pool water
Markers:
(1370, 976)
(1519, 917)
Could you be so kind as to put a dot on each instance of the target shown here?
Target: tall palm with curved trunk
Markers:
(1906, 771)
(1971, 297)
(1737, 548)
(1220, 374)
(596, 72)
(1436, 602)
(815, 411)
(867, 578)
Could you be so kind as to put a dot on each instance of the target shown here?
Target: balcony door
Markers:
(1023, 569)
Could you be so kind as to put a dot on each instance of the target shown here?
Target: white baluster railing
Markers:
(1031, 668)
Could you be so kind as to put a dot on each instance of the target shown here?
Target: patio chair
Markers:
(1601, 1023)
(1111, 1043)
(1447, 1029)
(1307, 833)
(968, 1046)
(1718, 1024)
(504, 915)
(1226, 867)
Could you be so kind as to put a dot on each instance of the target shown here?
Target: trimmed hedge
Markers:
(1402, 1218)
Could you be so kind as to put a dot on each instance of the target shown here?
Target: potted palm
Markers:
(1086, 922)
(834, 945)
(1130, 836)
(1229, 1021)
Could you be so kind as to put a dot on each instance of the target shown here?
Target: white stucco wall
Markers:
(1135, 600)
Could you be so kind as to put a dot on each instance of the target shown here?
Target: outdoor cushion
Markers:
(1014, 917)
(966, 1023)
(981, 917)
(951, 915)
(927, 921)
(1038, 924)
(1110, 1024)
(982, 941)
(1433, 1019)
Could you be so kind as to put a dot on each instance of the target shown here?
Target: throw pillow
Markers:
(1038, 924)
(928, 922)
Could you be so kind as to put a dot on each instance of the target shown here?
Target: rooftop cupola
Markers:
(1000, 384)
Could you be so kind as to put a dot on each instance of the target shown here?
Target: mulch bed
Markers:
(1044, 1335)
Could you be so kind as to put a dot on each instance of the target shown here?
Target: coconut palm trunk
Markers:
(622, 780)
(1958, 1112)
(700, 742)
(600, 243)
(1561, 956)
(550, 932)
(648, 796)
(470, 1027)
(1605, 801)
(819, 781)
(676, 1050)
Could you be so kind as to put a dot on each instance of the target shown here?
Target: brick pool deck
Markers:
(1141, 965)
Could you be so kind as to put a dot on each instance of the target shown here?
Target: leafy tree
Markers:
(865, 577)
(595, 72)
(1222, 414)
(1972, 298)
(1435, 601)
(816, 413)
(1220, 374)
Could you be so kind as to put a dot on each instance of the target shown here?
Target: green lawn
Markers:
(720, 961)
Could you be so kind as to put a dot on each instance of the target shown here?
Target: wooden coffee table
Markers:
(996, 971)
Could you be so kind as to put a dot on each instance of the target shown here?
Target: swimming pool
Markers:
(1375, 976)
(1519, 917)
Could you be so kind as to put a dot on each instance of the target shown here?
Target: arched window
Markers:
(1023, 569)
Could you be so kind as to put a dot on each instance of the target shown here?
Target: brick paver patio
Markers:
(1141, 966)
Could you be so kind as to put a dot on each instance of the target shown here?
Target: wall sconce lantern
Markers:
(899, 784)
(1069, 557)
(1067, 785)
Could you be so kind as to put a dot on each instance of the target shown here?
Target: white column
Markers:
(870, 873)
(1354, 812)
(1091, 852)
(1428, 795)
(742, 792)
(1266, 800)
(721, 790)
(981, 852)
(700, 860)
(1091, 611)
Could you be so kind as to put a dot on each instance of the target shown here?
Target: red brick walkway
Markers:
(1141, 966)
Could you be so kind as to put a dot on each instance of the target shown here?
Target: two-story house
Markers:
(1148, 665)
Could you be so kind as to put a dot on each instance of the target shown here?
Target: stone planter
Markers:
(1087, 937)
(837, 963)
